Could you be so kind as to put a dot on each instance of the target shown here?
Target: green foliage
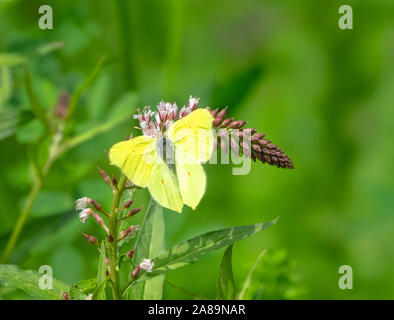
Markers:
(35, 105)
(273, 276)
(249, 278)
(11, 59)
(99, 293)
(150, 243)
(226, 285)
(28, 281)
(82, 289)
(189, 251)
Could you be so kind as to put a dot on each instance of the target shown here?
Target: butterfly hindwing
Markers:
(191, 179)
(164, 187)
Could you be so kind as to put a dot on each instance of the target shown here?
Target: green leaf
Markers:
(121, 111)
(51, 203)
(28, 281)
(5, 85)
(248, 281)
(189, 251)
(30, 132)
(81, 89)
(98, 97)
(35, 104)
(49, 47)
(11, 59)
(150, 243)
(226, 286)
(80, 290)
(101, 275)
(10, 120)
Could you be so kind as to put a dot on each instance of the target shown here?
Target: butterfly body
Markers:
(169, 164)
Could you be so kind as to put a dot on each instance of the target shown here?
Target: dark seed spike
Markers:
(248, 141)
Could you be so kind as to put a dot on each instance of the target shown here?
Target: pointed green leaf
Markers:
(35, 104)
(150, 243)
(189, 251)
(226, 286)
(5, 85)
(81, 89)
(101, 275)
(49, 47)
(248, 281)
(28, 281)
(121, 111)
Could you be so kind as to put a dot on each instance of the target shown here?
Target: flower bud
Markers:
(129, 232)
(226, 122)
(100, 221)
(135, 272)
(214, 112)
(236, 124)
(84, 214)
(127, 204)
(90, 238)
(133, 212)
(217, 122)
(65, 295)
(130, 254)
(249, 131)
(222, 114)
(97, 206)
(105, 176)
(256, 147)
(62, 105)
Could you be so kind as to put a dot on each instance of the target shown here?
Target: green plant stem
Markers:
(113, 229)
(21, 221)
(37, 184)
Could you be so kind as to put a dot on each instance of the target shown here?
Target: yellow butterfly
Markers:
(169, 164)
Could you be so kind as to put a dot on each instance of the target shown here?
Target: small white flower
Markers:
(84, 214)
(89, 297)
(193, 103)
(147, 265)
(82, 203)
(184, 112)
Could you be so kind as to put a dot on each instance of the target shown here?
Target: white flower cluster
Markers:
(147, 265)
(153, 122)
(82, 204)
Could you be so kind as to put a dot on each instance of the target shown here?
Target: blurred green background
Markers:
(324, 95)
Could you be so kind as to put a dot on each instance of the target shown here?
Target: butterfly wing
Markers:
(135, 158)
(193, 135)
(193, 142)
(164, 187)
(191, 179)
